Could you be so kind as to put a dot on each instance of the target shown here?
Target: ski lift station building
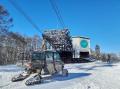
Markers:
(81, 47)
(70, 48)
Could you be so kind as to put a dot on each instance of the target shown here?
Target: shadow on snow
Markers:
(71, 76)
(96, 66)
(61, 78)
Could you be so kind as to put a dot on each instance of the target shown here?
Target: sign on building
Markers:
(81, 46)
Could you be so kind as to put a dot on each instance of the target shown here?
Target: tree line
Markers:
(13, 44)
(14, 47)
(105, 57)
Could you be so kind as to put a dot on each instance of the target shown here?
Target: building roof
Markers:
(80, 37)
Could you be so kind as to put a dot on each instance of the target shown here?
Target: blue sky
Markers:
(97, 19)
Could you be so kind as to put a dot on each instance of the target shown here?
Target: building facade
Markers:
(81, 47)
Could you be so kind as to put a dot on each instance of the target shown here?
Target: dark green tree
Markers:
(97, 52)
(5, 19)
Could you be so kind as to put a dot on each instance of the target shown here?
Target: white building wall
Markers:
(76, 41)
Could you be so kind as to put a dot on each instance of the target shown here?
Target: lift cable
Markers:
(15, 5)
(57, 12)
(18, 8)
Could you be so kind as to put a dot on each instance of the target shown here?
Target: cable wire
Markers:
(18, 8)
(57, 12)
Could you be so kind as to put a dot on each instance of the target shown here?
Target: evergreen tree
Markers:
(97, 52)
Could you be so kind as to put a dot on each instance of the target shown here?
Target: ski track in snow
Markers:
(95, 75)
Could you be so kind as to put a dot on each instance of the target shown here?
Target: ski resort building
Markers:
(81, 47)
(69, 48)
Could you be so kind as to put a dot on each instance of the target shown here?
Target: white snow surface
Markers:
(94, 75)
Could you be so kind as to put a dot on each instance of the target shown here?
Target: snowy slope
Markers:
(96, 75)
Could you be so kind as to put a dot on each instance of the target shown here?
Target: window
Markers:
(38, 56)
(49, 56)
(56, 56)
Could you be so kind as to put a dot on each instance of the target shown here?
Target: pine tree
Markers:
(97, 52)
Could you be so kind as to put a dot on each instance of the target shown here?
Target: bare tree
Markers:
(5, 24)
(93, 53)
(36, 42)
(104, 57)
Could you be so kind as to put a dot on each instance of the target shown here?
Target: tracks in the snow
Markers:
(5, 85)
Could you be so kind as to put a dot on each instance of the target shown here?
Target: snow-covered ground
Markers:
(95, 75)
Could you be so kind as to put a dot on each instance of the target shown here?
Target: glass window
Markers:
(56, 56)
(38, 56)
(49, 56)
